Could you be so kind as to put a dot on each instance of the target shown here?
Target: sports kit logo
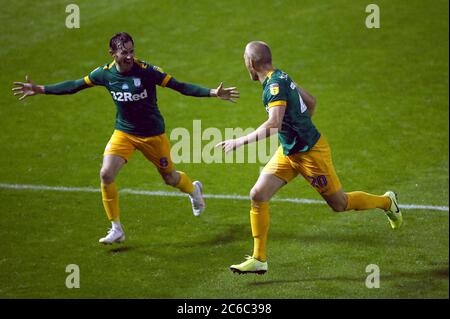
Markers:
(137, 82)
(128, 96)
(274, 89)
(163, 162)
(397, 210)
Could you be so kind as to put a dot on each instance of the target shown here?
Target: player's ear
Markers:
(252, 64)
(112, 53)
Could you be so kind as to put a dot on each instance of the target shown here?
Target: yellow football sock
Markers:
(259, 219)
(185, 184)
(110, 198)
(363, 201)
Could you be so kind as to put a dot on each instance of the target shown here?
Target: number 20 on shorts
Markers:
(318, 181)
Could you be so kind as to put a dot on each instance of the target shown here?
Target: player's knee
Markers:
(106, 176)
(257, 195)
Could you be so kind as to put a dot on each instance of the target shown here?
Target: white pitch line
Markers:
(178, 194)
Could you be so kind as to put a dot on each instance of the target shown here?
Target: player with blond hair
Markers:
(303, 151)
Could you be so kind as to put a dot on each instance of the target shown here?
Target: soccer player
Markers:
(303, 150)
(139, 124)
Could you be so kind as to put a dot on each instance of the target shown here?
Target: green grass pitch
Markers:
(382, 104)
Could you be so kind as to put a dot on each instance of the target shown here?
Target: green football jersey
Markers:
(134, 94)
(298, 133)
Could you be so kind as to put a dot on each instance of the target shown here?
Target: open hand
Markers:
(230, 145)
(228, 94)
(26, 89)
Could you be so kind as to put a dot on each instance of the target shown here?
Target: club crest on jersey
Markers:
(137, 82)
(274, 88)
(125, 86)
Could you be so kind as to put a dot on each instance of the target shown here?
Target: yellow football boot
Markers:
(393, 213)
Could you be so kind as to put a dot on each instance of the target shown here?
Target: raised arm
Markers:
(28, 88)
(268, 128)
(228, 94)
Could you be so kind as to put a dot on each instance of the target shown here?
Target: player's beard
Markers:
(126, 65)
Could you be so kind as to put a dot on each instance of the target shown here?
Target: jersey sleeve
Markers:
(275, 94)
(66, 87)
(188, 88)
(96, 77)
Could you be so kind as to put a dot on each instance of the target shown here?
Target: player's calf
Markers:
(171, 179)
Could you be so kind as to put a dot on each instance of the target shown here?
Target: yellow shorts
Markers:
(155, 148)
(315, 165)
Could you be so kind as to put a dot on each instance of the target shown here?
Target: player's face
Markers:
(251, 70)
(124, 56)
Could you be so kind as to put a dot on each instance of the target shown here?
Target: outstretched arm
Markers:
(28, 88)
(268, 128)
(228, 94)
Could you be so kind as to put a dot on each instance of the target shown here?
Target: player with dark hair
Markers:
(303, 150)
(139, 124)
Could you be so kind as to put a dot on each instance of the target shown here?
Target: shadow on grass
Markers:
(120, 249)
(438, 273)
(233, 233)
(230, 234)
(353, 238)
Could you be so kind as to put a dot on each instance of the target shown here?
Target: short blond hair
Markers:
(259, 52)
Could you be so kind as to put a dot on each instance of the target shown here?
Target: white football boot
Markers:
(115, 235)
(250, 266)
(197, 201)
